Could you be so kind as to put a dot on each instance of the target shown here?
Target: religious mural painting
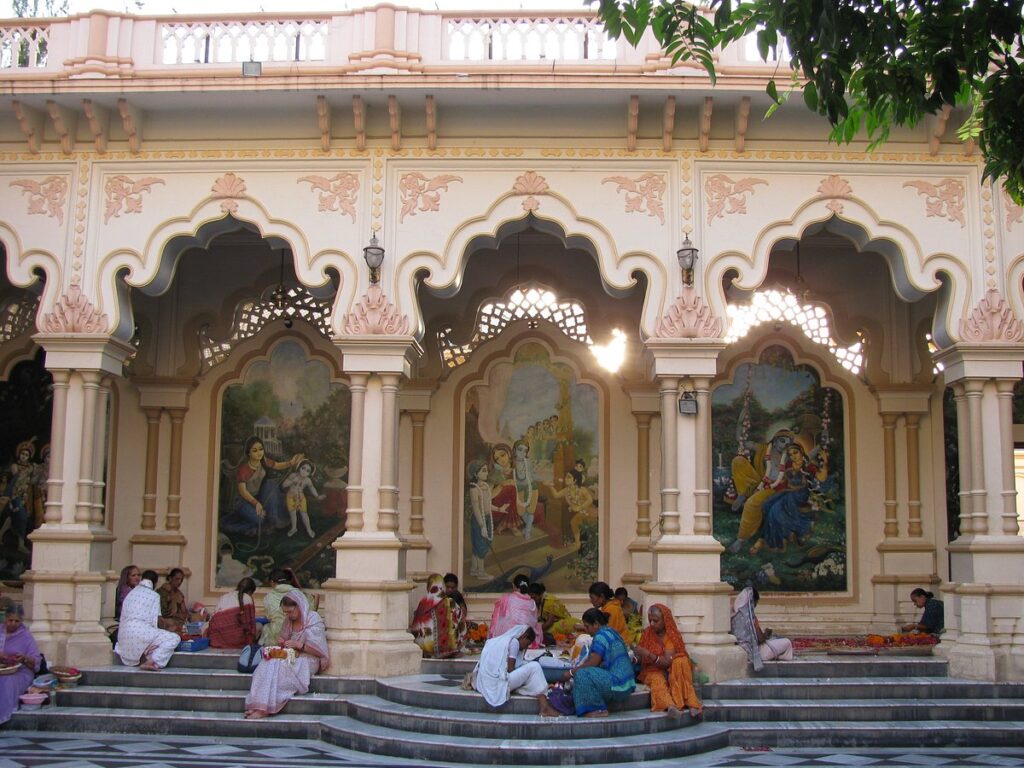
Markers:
(26, 407)
(283, 463)
(779, 478)
(530, 478)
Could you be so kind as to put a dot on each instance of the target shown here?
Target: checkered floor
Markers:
(46, 750)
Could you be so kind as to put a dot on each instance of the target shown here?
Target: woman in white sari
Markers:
(502, 671)
(140, 642)
(275, 681)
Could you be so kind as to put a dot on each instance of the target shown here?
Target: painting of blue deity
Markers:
(284, 441)
(26, 409)
(779, 477)
(530, 476)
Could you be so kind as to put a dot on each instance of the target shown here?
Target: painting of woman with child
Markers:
(531, 490)
(283, 449)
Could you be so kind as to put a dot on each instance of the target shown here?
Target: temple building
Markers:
(278, 289)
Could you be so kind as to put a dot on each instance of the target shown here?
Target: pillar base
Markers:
(367, 620)
(982, 641)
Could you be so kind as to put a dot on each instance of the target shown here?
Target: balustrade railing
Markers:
(528, 38)
(225, 41)
(433, 38)
(23, 46)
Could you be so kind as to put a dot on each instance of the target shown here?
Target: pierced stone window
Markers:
(18, 316)
(531, 303)
(252, 316)
(779, 306)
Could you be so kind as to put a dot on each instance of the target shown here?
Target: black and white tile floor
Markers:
(46, 750)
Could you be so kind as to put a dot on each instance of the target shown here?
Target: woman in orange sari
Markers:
(665, 666)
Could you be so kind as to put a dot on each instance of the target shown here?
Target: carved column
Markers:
(418, 418)
(367, 604)
(668, 388)
(99, 449)
(907, 558)
(914, 529)
(645, 403)
(71, 550)
(162, 545)
(963, 448)
(414, 401)
(357, 386)
(985, 597)
(889, 462)
(153, 416)
(174, 476)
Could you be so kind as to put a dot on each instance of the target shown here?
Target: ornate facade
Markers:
(189, 241)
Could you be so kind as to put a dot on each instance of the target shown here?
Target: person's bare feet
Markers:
(149, 666)
(546, 710)
(597, 713)
(696, 713)
(673, 712)
(256, 714)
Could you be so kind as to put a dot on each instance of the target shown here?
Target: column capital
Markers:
(681, 358)
(164, 391)
(902, 398)
(378, 354)
(79, 352)
(980, 361)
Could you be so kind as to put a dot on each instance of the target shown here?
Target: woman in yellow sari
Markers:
(553, 615)
(602, 598)
(665, 666)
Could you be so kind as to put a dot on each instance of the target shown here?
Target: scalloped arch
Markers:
(914, 274)
(21, 266)
(152, 270)
(560, 220)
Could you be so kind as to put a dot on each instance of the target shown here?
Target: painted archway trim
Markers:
(914, 273)
(445, 270)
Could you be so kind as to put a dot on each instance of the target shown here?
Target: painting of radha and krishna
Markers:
(779, 480)
(284, 447)
(531, 490)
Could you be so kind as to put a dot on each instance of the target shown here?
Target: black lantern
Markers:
(374, 255)
(687, 256)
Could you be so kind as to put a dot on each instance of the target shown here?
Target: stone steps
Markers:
(427, 717)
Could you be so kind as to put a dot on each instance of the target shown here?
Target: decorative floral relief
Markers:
(530, 183)
(992, 320)
(338, 193)
(230, 189)
(835, 187)
(727, 196)
(124, 193)
(643, 191)
(417, 189)
(689, 318)
(375, 315)
(45, 197)
(74, 313)
(945, 199)
(1013, 211)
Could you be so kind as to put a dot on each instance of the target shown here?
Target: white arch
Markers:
(915, 274)
(21, 266)
(152, 269)
(559, 219)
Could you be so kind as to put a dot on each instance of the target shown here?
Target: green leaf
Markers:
(811, 97)
(773, 91)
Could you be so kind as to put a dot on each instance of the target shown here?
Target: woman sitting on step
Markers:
(933, 620)
(283, 581)
(233, 624)
(435, 623)
(502, 670)
(665, 666)
(17, 650)
(515, 608)
(607, 674)
(276, 679)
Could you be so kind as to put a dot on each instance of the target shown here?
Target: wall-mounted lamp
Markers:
(252, 68)
(374, 255)
(687, 404)
(687, 256)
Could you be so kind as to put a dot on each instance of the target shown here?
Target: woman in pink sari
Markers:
(514, 608)
(275, 681)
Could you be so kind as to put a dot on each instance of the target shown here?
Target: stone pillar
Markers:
(985, 597)
(645, 403)
(71, 550)
(160, 544)
(414, 402)
(907, 560)
(366, 604)
(687, 563)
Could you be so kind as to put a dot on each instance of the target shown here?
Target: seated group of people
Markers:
(617, 658)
